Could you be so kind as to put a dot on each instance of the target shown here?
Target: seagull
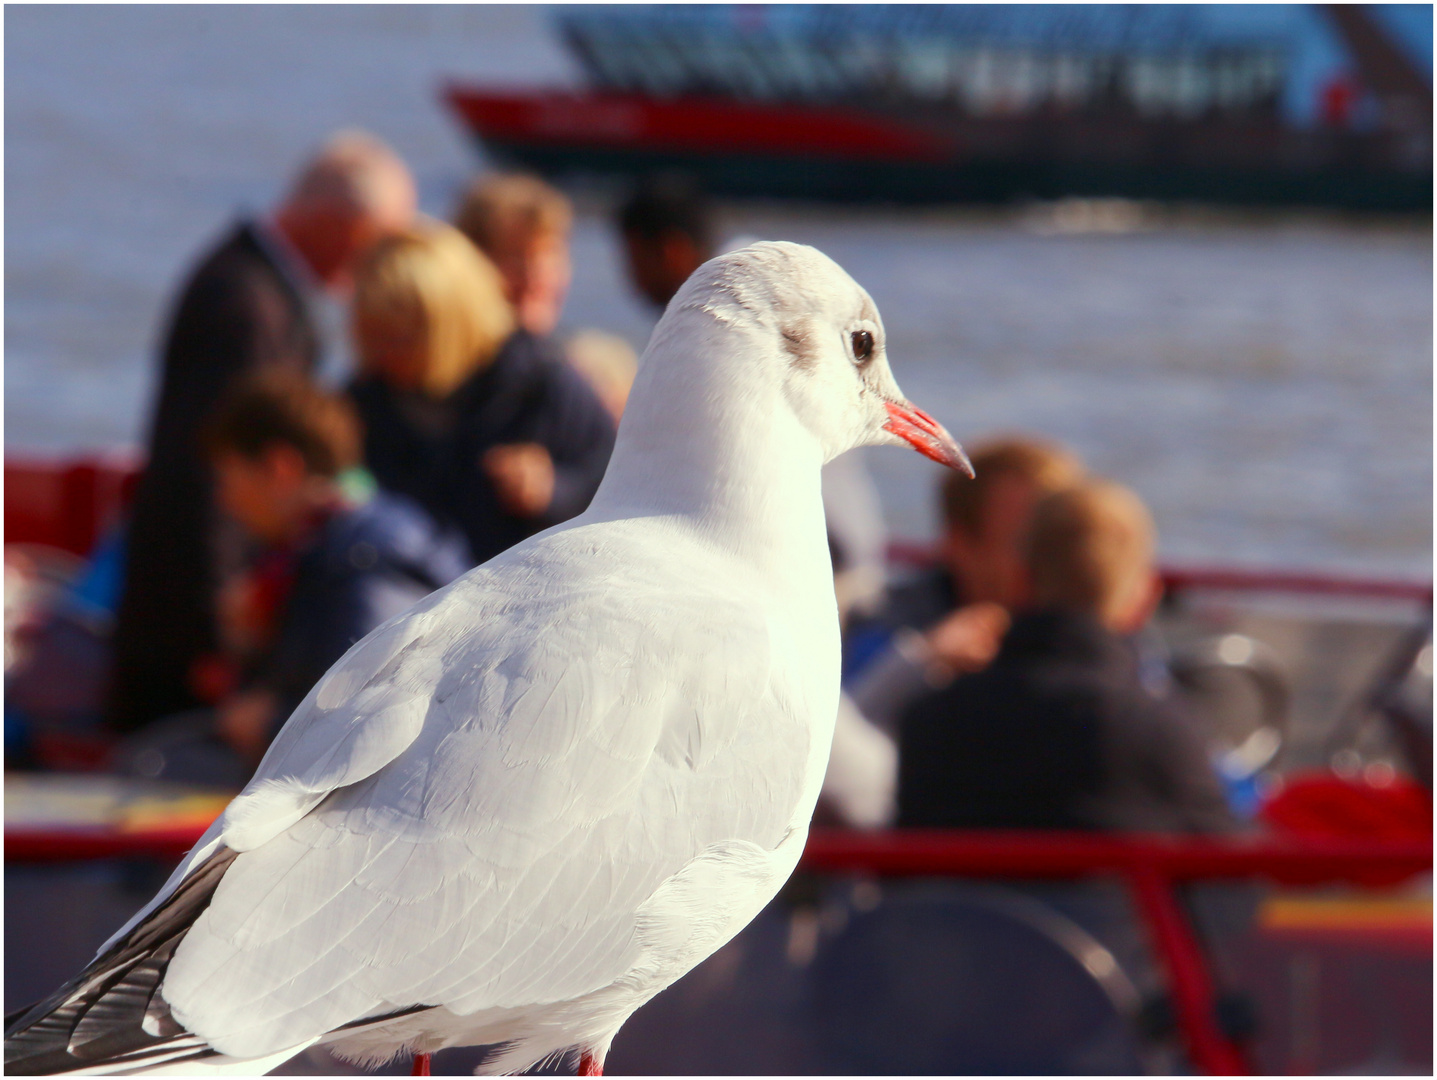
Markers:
(512, 815)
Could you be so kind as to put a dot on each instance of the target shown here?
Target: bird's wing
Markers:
(366, 711)
(568, 746)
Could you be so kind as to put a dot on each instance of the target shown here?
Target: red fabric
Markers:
(1327, 806)
(66, 504)
(1339, 97)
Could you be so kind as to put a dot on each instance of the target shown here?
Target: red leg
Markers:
(421, 1065)
(588, 1066)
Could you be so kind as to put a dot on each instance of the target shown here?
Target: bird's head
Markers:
(817, 333)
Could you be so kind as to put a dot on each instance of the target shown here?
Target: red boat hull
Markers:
(848, 153)
(705, 127)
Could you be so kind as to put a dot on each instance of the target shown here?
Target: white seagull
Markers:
(514, 814)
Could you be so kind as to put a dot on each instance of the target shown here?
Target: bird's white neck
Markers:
(708, 439)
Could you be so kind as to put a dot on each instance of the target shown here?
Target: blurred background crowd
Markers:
(278, 522)
(373, 379)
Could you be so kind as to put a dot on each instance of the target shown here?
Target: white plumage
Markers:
(550, 789)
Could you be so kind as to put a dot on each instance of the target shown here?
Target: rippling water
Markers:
(1265, 383)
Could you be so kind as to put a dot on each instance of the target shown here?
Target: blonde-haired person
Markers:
(464, 410)
(429, 311)
(1059, 731)
(522, 224)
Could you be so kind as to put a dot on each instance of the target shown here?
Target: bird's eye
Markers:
(862, 345)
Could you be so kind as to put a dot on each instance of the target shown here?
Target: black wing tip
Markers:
(112, 1011)
(53, 1062)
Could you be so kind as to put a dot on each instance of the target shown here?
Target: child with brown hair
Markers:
(334, 559)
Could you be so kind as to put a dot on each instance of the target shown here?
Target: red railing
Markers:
(60, 845)
(1151, 867)
(1181, 578)
(1019, 853)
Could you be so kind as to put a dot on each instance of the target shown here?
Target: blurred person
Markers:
(522, 224)
(337, 560)
(951, 619)
(1058, 732)
(667, 236)
(58, 619)
(468, 413)
(246, 307)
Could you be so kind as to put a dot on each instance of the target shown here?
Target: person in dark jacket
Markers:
(338, 559)
(482, 423)
(1058, 732)
(243, 309)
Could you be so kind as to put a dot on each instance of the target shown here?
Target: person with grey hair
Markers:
(244, 308)
(355, 191)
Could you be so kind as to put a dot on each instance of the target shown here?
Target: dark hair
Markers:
(283, 407)
(667, 204)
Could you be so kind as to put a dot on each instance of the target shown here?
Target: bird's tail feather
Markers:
(111, 1016)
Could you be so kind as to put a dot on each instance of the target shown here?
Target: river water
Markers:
(1264, 382)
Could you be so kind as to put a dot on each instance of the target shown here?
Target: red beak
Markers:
(927, 436)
